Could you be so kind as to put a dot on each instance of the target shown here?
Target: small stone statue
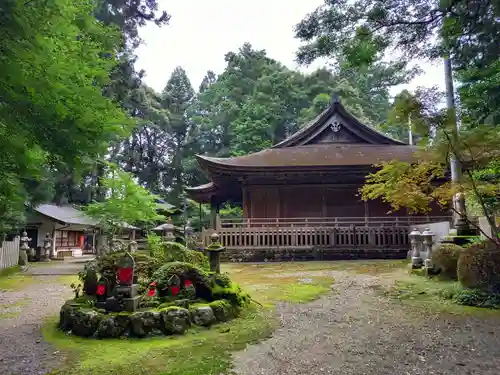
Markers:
(24, 249)
(47, 247)
(132, 246)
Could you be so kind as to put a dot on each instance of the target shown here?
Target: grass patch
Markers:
(22, 302)
(9, 271)
(14, 280)
(201, 351)
(433, 295)
(9, 315)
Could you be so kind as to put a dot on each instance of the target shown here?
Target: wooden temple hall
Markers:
(301, 195)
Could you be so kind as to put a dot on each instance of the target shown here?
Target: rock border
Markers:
(84, 321)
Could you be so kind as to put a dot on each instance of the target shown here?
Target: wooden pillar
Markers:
(367, 212)
(215, 217)
(324, 191)
(53, 249)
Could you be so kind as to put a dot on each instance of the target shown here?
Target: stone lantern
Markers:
(428, 241)
(24, 249)
(47, 247)
(416, 243)
(214, 251)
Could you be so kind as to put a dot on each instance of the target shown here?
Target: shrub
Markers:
(478, 298)
(479, 267)
(176, 252)
(445, 258)
(144, 264)
(184, 271)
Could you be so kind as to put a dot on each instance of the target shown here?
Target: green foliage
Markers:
(365, 32)
(127, 203)
(168, 252)
(478, 298)
(184, 271)
(445, 258)
(479, 266)
(55, 62)
(144, 264)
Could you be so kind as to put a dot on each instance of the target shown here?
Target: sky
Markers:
(201, 32)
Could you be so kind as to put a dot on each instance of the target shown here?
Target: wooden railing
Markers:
(330, 221)
(292, 238)
(310, 233)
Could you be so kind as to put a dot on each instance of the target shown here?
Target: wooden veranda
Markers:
(326, 235)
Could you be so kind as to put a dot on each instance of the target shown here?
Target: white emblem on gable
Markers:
(335, 126)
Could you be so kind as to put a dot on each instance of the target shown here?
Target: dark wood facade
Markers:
(314, 174)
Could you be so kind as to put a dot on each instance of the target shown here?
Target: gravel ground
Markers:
(357, 331)
(22, 349)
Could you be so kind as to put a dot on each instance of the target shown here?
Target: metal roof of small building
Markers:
(70, 215)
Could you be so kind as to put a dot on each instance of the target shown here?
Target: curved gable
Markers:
(336, 125)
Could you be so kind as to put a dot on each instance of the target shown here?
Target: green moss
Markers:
(169, 308)
(223, 310)
(201, 351)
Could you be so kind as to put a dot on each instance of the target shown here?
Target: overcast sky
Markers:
(201, 32)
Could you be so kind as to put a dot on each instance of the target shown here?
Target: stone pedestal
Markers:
(131, 304)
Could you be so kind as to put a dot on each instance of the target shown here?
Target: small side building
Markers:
(71, 230)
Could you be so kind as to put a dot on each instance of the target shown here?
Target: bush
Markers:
(184, 271)
(479, 267)
(168, 252)
(144, 264)
(445, 258)
(478, 298)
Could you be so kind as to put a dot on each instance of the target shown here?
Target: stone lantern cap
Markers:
(214, 237)
(415, 233)
(215, 245)
(427, 233)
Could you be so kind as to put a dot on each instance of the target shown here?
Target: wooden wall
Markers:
(311, 201)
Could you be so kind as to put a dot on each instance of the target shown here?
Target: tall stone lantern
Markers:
(416, 244)
(24, 249)
(47, 247)
(214, 251)
(428, 242)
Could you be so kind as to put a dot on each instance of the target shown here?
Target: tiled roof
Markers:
(70, 215)
(323, 155)
(66, 214)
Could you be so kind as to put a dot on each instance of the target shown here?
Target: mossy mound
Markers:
(445, 258)
(479, 267)
(172, 320)
(212, 298)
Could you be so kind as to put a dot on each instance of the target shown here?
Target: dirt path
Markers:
(22, 349)
(357, 331)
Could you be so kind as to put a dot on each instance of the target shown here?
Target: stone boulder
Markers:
(86, 322)
(143, 323)
(223, 310)
(113, 326)
(175, 320)
(67, 316)
(202, 316)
